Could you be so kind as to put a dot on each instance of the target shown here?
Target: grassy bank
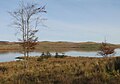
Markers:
(67, 70)
(55, 46)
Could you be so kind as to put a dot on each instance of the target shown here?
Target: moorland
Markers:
(60, 69)
(56, 46)
(65, 70)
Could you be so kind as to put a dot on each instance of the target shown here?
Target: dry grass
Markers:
(67, 70)
(54, 46)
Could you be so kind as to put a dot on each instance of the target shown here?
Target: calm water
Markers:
(10, 56)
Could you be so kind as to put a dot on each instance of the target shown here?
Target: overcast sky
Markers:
(69, 20)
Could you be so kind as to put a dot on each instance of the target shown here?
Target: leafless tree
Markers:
(27, 18)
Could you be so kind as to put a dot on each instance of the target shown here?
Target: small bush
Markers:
(41, 58)
(106, 50)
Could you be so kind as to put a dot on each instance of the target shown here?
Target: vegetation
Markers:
(106, 50)
(26, 19)
(55, 46)
(58, 69)
(67, 70)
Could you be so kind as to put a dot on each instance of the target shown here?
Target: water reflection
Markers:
(10, 56)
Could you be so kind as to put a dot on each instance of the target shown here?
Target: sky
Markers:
(69, 20)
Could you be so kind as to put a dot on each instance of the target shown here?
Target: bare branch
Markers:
(26, 19)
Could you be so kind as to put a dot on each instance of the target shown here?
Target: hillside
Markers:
(55, 46)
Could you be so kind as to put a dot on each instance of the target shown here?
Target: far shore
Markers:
(54, 46)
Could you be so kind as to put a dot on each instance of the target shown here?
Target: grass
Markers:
(55, 46)
(66, 70)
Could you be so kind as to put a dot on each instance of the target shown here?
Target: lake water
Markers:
(10, 56)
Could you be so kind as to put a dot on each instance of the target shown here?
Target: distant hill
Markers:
(56, 46)
(4, 42)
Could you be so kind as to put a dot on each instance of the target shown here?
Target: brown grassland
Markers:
(65, 70)
(55, 46)
(60, 69)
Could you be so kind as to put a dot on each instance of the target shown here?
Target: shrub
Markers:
(106, 50)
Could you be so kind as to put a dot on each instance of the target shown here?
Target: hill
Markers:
(55, 46)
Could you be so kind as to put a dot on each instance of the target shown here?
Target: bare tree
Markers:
(27, 18)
